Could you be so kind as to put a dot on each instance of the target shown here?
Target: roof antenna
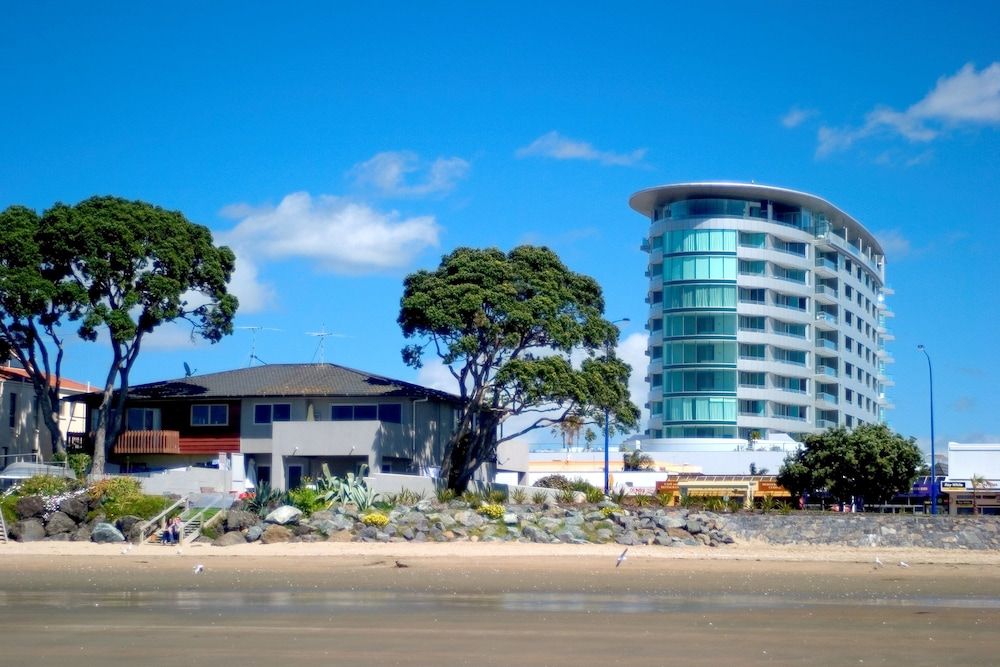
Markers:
(322, 334)
(253, 343)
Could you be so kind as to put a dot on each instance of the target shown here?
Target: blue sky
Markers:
(339, 146)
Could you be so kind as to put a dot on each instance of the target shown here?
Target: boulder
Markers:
(124, 524)
(30, 507)
(275, 533)
(284, 515)
(301, 530)
(105, 532)
(59, 523)
(254, 533)
(229, 539)
(74, 508)
(340, 536)
(579, 497)
(28, 530)
(469, 519)
(239, 520)
(82, 534)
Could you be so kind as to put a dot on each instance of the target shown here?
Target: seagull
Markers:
(621, 559)
(399, 564)
(878, 562)
(903, 564)
(199, 568)
(126, 550)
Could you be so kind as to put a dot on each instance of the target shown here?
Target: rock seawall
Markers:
(886, 530)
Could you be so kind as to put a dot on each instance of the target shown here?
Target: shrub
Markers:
(211, 532)
(112, 488)
(445, 495)
(45, 485)
(78, 463)
(496, 496)
(642, 500)
(405, 497)
(554, 482)
(565, 495)
(142, 506)
(608, 511)
(594, 494)
(474, 499)
(518, 495)
(307, 499)
(618, 496)
(665, 498)
(263, 500)
(539, 497)
(492, 510)
(376, 519)
(7, 504)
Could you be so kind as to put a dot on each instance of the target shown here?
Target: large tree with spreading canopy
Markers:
(869, 462)
(120, 268)
(506, 325)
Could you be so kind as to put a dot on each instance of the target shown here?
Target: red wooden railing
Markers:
(148, 442)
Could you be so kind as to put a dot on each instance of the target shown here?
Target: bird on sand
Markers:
(878, 562)
(904, 564)
(400, 564)
(621, 559)
(199, 568)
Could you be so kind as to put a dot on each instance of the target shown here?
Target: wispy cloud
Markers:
(796, 116)
(965, 98)
(405, 174)
(964, 404)
(895, 245)
(333, 233)
(554, 145)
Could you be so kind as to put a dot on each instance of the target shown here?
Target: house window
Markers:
(209, 415)
(13, 410)
(266, 413)
(143, 419)
(391, 413)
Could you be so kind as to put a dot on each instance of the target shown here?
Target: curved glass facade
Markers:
(767, 313)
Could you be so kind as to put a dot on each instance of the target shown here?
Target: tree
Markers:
(636, 461)
(569, 429)
(34, 301)
(870, 462)
(505, 324)
(134, 266)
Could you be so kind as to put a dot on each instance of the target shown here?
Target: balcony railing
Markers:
(148, 442)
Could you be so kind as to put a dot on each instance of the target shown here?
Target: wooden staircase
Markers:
(3, 529)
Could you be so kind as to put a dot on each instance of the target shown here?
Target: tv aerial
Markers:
(322, 334)
(253, 343)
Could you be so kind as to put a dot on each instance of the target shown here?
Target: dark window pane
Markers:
(365, 412)
(282, 412)
(262, 414)
(220, 414)
(390, 412)
(342, 413)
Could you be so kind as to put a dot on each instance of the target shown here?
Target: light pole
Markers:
(607, 417)
(930, 377)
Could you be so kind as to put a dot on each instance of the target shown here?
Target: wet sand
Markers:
(496, 604)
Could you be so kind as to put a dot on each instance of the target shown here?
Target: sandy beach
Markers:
(497, 604)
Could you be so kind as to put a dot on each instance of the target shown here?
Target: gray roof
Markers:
(285, 380)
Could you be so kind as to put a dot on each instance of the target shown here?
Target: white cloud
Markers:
(554, 145)
(333, 233)
(253, 294)
(967, 97)
(895, 245)
(797, 116)
(633, 351)
(404, 174)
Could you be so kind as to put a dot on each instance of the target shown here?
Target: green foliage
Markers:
(496, 496)
(554, 482)
(264, 499)
(78, 463)
(618, 496)
(7, 504)
(594, 494)
(608, 511)
(518, 495)
(539, 497)
(565, 495)
(405, 497)
(473, 498)
(113, 488)
(307, 499)
(45, 485)
(352, 489)
(642, 499)
(768, 504)
(665, 498)
(493, 318)
(377, 519)
(492, 510)
(132, 267)
(637, 460)
(870, 462)
(445, 496)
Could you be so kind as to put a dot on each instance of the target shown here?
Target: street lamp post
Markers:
(607, 414)
(930, 377)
